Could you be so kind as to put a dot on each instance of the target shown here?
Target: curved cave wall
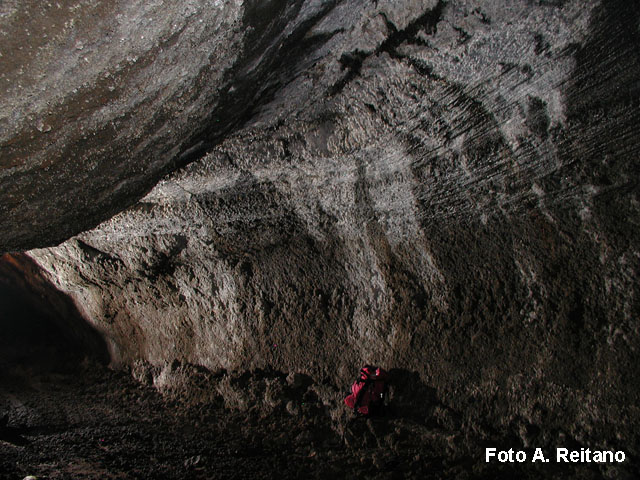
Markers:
(101, 99)
(440, 187)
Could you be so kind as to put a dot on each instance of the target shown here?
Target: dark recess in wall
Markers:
(40, 325)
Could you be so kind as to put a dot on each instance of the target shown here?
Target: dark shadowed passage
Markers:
(39, 324)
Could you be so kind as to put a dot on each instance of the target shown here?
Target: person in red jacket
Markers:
(368, 391)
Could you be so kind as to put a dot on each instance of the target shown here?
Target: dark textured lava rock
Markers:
(101, 99)
(449, 188)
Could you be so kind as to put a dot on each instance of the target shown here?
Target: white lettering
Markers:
(561, 454)
(505, 456)
(538, 456)
(490, 452)
(584, 455)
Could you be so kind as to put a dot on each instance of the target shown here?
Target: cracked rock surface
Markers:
(448, 188)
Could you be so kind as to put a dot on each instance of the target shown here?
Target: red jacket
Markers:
(367, 391)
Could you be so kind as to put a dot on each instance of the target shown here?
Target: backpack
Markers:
(368, 391)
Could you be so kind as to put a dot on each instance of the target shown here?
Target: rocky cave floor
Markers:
(72, 418)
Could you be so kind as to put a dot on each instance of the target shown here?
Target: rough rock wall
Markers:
(99, 100)
(449, 188)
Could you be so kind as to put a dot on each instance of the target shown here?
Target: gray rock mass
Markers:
(449, 188)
